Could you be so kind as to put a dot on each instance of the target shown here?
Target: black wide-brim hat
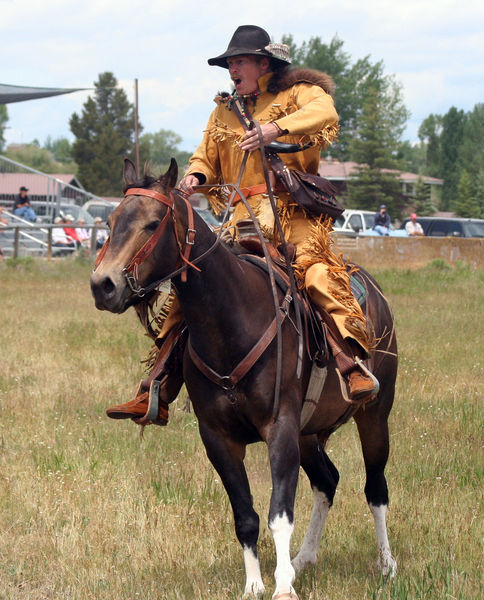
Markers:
(252, 40)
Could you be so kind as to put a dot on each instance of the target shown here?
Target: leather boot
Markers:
(363, 385)
(150, 405)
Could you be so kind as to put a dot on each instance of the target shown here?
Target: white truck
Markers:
(353, 223)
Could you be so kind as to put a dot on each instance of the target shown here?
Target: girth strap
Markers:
(228, 382)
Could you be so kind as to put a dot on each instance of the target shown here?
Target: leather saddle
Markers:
(249, 248)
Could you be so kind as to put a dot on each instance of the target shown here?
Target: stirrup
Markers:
(366, 371)
(152, 416)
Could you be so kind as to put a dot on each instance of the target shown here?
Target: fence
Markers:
(395, 252)
(47, 192)
(13, 245)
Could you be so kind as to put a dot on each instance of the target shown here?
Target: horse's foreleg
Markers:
(373, 430)
(284, 460)
(324, 478)
(227, 457)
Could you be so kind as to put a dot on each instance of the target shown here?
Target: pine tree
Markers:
(423, 203)
(451, 140)
(466, 204)
(479, 192)
(375, 148)
(104, 136)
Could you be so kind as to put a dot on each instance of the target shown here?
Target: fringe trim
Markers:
(330, 134)
(217, 198)
(318, 249)
(152, 315)
(324, 137)
(220, 132)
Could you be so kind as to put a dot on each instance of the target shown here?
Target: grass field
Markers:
(90, 511)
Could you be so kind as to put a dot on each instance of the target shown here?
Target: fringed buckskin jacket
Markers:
(298, 101)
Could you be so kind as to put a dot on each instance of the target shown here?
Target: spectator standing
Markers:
(382, 221)
(413, 227)
(22, 208)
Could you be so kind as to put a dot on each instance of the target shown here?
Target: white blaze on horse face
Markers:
(253, 586)
(308, 553)
(386, 563)
(284, 574)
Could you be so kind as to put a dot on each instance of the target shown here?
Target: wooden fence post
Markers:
(15, 242)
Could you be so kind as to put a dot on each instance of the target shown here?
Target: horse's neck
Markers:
(219, 303)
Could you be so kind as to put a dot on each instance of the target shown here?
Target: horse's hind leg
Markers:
(227, 457)
(373, 430)
(324, 478)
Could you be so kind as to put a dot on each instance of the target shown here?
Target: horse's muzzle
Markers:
(109, 293)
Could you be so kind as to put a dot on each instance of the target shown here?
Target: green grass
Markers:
(88, 510)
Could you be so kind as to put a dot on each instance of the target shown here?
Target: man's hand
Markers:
(188, 183)
(250, 141)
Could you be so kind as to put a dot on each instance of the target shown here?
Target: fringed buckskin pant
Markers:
(323, 273)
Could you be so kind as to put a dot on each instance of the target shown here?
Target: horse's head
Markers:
(143, 243)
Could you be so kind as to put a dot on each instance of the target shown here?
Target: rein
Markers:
(275, 328)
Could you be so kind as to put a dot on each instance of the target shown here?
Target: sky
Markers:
(435, 49)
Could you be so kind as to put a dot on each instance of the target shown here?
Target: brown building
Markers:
(339, 173)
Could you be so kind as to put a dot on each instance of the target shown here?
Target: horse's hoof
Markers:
(255, 589)
(301, 562)
(387, 566)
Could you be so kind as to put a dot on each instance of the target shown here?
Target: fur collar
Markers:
(286, 78)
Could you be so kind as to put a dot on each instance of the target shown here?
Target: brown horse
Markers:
(227, 304)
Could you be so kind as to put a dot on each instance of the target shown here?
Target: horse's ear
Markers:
(129, 173)
(171, 176)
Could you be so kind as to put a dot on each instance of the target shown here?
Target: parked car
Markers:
(47, 212)
(360, 222)
(450, 227)
(100, 208)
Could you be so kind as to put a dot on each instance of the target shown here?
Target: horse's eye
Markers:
(152, 226)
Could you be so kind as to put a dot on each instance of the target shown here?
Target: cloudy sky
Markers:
(435, 49)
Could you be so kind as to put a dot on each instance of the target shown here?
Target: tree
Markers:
(429, 134)
(3, 121)
(104, 136)
(471, 149)
(353, 83)
(411, 156)
(466, 205)
(60, 148)
(451, 140)
(423, 203)
(41, 159)
(160, 147)
(479, 191)
(374, 147)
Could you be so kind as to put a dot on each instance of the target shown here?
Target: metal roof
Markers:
(20, 93)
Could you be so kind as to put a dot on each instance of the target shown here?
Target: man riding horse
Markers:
(294, 106)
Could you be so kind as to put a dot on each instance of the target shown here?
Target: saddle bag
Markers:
(313, 193)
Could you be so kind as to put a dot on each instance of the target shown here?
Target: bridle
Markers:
(131, 270)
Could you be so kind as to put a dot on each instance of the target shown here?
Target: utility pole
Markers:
(136, 130)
